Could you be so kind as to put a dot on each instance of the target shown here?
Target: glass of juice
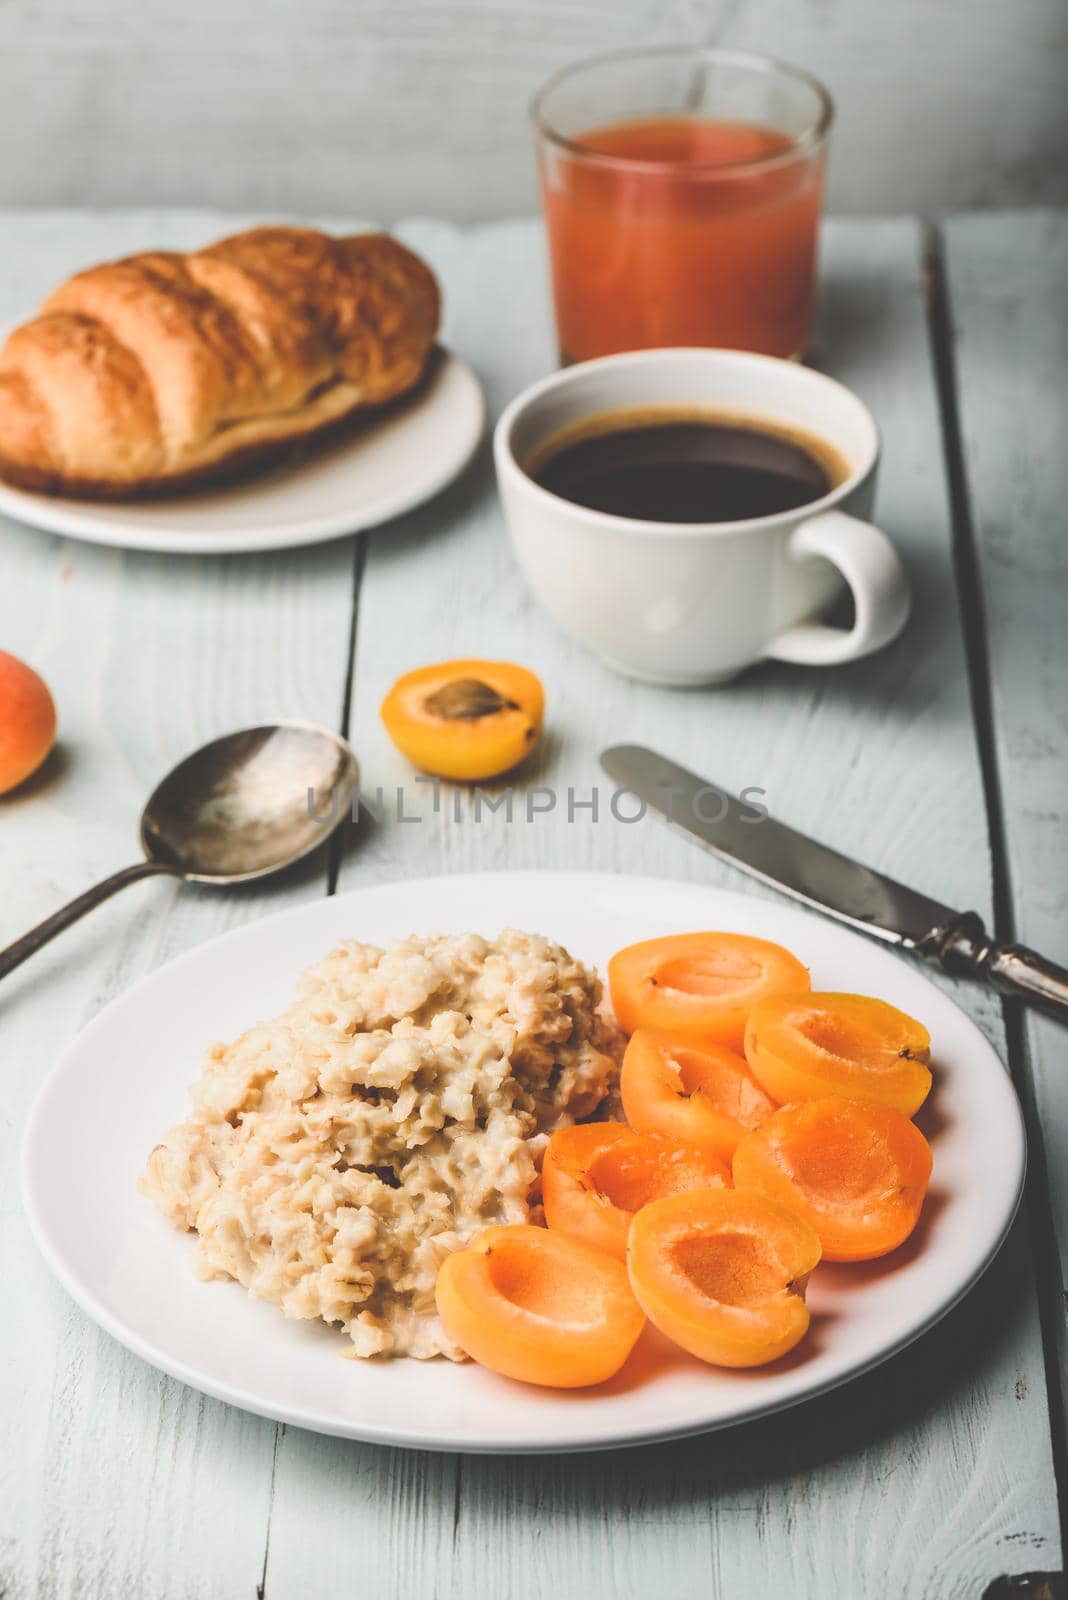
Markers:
(682, 190)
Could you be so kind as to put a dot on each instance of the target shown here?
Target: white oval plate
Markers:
(124, 1081)
(375, 473)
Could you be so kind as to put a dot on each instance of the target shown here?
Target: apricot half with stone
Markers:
(700, 984)
(596, 1175)
(465, 720)
(539, 1306)
(723, 1274)
(808, 1046)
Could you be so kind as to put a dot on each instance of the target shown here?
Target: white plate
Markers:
(124, 1080)
(375, 473)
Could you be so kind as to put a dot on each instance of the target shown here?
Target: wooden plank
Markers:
(116, 1482)
(406, 107)
(1006, 282)
(932, 1476)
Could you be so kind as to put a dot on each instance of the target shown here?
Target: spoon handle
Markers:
(16, 953)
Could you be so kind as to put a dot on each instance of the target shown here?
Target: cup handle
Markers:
(874, 572)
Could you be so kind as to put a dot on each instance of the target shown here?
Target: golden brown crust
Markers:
(252, 457)
(163, 371)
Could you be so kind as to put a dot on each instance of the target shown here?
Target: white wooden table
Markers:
(943, 760)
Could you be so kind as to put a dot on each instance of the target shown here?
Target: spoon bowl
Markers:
(239, 808)
(250, 803)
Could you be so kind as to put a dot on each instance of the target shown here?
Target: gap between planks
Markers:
(336, 848)
(973, 617)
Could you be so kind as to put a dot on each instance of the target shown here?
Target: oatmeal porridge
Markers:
(336, 1154)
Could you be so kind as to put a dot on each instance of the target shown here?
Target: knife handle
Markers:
(1012, 968)
(1016, 970)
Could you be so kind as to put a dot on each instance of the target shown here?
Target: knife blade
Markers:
(743, 834)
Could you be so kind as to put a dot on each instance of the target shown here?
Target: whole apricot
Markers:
(27, 721)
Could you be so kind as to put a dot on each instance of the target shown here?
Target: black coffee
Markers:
(660, 467)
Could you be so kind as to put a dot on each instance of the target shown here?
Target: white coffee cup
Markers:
(694, 603)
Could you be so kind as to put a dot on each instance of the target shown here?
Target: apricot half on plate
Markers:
(856, 1172)
(539, 1306)
(805, 1047)
(724, 1274)
(701, 1094)
(700, 984)
(597, 1175)
(465, 720)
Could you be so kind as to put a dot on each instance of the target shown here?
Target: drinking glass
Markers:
(682, 190)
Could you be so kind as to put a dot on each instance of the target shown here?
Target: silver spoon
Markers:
(239, 808)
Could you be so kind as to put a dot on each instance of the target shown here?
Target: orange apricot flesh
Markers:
(701, 1094)
(700, 984)
(27, 721)
(805, 1047)
(465, 720)
(855, 1171)
(723, 1274)
(539, 1306)
(596, 1175)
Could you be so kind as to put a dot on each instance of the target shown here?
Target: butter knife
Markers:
(741, 832)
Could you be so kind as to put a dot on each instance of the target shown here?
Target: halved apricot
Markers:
(701, 984)
(466, 720)
(701, 1094)
(855, 1171)
(539, 1306)
(808, 1046)
(597, 1175)
(723, 1274)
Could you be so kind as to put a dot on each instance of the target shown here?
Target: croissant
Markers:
(163, 370)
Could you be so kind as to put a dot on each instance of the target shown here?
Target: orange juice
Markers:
(682, 230)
